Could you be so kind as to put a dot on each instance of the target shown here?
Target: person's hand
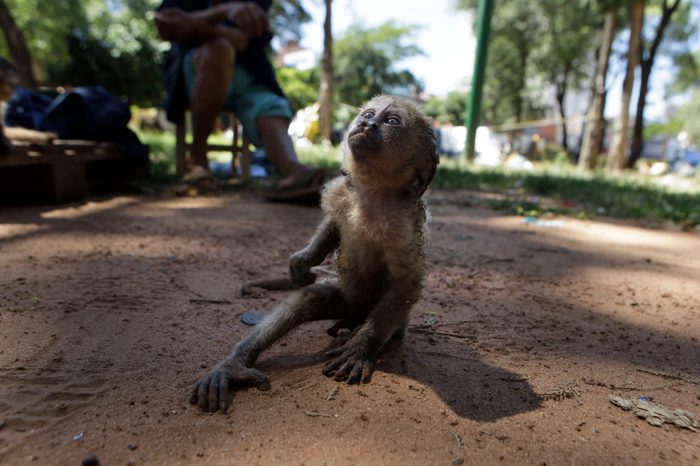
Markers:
(249, 17)
(171, 23)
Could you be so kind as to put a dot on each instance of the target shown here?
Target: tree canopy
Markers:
(367, 62)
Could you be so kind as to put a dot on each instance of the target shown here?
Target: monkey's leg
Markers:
(354, 361)
(319, 301)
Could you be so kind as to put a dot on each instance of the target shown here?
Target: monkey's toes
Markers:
(350, 369)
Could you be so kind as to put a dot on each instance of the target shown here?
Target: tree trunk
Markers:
(17, 46)
(326, 92)
(561, 95)
(647, 65)
(616, 155)
(593, 133)
(636, 148)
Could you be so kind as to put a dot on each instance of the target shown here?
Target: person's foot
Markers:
(198, 181)
(301, 187)
(196, 172)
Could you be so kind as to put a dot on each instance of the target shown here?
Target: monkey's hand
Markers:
(211, 392)
(354, 361)
(300, 264)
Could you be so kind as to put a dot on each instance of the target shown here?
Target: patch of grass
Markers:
(320, 155)
(626, 195)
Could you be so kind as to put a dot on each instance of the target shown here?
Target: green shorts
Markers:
(245, 99)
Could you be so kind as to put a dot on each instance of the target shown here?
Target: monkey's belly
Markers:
(362, 278)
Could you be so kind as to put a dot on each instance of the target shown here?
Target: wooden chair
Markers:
(239, 148)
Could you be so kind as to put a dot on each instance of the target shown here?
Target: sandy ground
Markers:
(111, 309)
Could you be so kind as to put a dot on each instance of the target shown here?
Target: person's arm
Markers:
(176, 25)
(248, 16)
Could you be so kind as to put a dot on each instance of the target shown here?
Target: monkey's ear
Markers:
(419, 182)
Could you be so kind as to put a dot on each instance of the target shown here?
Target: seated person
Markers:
(217, 61)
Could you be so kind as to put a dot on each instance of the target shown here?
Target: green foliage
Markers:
(450, 109)
(287, 17)
(532, 44)
(688, 71)
(162, 154)
(689, 115)
(366, 62)
(91, 42)
(563, 54)
(134, 75)
(668, 128)
(300, 86)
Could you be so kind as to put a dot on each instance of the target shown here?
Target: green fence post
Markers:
(482, 43)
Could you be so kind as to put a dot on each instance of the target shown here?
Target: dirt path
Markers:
(109, 311)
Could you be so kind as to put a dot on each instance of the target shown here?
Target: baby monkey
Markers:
(375, 221)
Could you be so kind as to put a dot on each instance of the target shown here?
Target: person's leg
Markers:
(265, 117)
(278, 145)
(213, 70)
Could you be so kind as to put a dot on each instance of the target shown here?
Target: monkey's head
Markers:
(391, 144)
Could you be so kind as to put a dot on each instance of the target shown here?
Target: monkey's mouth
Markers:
(364, 137)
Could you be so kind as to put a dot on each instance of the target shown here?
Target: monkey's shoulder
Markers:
(336, 197)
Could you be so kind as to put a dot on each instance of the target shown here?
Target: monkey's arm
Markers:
(325, 240)
(319, 301)
(355, 360)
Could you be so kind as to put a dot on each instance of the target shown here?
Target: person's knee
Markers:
(215, 56)
(271, 124)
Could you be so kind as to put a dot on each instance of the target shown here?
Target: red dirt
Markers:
(108, 313)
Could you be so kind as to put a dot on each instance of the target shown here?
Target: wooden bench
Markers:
(239, 148)
(58, 170)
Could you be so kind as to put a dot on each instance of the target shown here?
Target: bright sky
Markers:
(445, 35)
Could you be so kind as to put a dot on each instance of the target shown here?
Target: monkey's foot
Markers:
(351, 364)
(211, 392)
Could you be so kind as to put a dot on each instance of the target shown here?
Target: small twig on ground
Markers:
(209, 301)
(442, 324)
(685, 378)
(631, 387)
(315, 414)
(447, 355)
(458, 439)
(428, 331)
(331, 395)
(518, 378)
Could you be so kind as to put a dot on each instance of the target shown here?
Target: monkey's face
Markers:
(391, 143)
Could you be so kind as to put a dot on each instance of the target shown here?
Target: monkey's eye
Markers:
(393, 121)
(368, 114)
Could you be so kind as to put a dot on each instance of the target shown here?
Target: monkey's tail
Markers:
(271, 284)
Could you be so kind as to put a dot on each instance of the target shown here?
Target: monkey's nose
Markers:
(369, 124)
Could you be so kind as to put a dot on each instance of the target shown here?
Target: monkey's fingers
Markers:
(332, 366)
(252, 377)
(356, 373)
(224, 396)
(202, 393)
(193, 393)
(351, 366)
(335, 352)
(367, 370)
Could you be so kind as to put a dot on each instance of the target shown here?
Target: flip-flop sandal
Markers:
(197, 183)
(305, 190)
